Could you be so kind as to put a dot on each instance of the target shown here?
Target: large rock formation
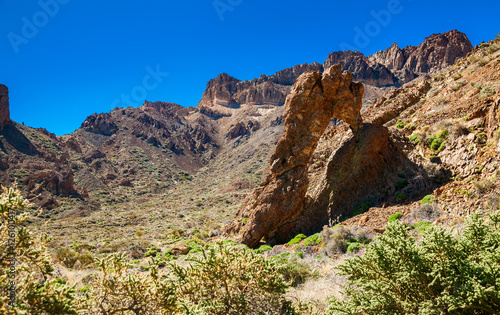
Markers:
(435, 53)
(384, 70)
(314, 100)
(100, 123)
(396, 66)
(4, 106)
(225, 92)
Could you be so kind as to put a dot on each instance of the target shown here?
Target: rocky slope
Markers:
(218, 151)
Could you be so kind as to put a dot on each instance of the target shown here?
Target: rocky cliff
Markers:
(396, 66)
(4, 106)
(314, 100)
(385, 69)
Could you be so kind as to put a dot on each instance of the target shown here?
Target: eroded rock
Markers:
(4, 106)
(314, 100)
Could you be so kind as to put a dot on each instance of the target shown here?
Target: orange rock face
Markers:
(314, 100)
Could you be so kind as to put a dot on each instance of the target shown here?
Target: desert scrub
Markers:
(227, 279)
(416, 138)
(37, 289)
(481, 138)
(488, 89)
(396, 216)
(312, 240)
(443, 273)
(297, 239)
(428, 199)
(400, 197)
(400, 124)
(338, 239)
(117, 289)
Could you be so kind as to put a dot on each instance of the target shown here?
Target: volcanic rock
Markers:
(102, 124)
(314, 100)
(4, 106)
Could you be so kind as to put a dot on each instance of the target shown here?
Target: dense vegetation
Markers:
(400, 272)
(223, 279)
(443, 273)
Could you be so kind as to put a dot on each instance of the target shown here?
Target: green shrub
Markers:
(66, 256)
(481, 138)
(228, 279)
(312, 240)
(263, 248)
(400, 124)
(354, 247)
(443, 134)
(297, 239)
(396, 216)
(422, 226)
(400, 197)
(443, 273)
(415, 138)
(293, 271)
(436, 144)
(86, 259)
(487, 90)
(428, 199)
(37, 290)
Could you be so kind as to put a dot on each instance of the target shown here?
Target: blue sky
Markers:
(66, 59)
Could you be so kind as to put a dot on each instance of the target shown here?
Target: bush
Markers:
(297, 239)
(422, 226)
(263, 248)
(436, 144)
(354, 247)
(400, 197)
(117, 290)
(441, 274)
(426, 212)
(66, 256)
(37, 290)
(395, 216)
(416, 138)
(335, 240)
(312, 240)
(487, 90)
(428, 199)
(481, 138)
(400, 124)
(227, 279)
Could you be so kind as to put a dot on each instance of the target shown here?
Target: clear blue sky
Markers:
(65, 62)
